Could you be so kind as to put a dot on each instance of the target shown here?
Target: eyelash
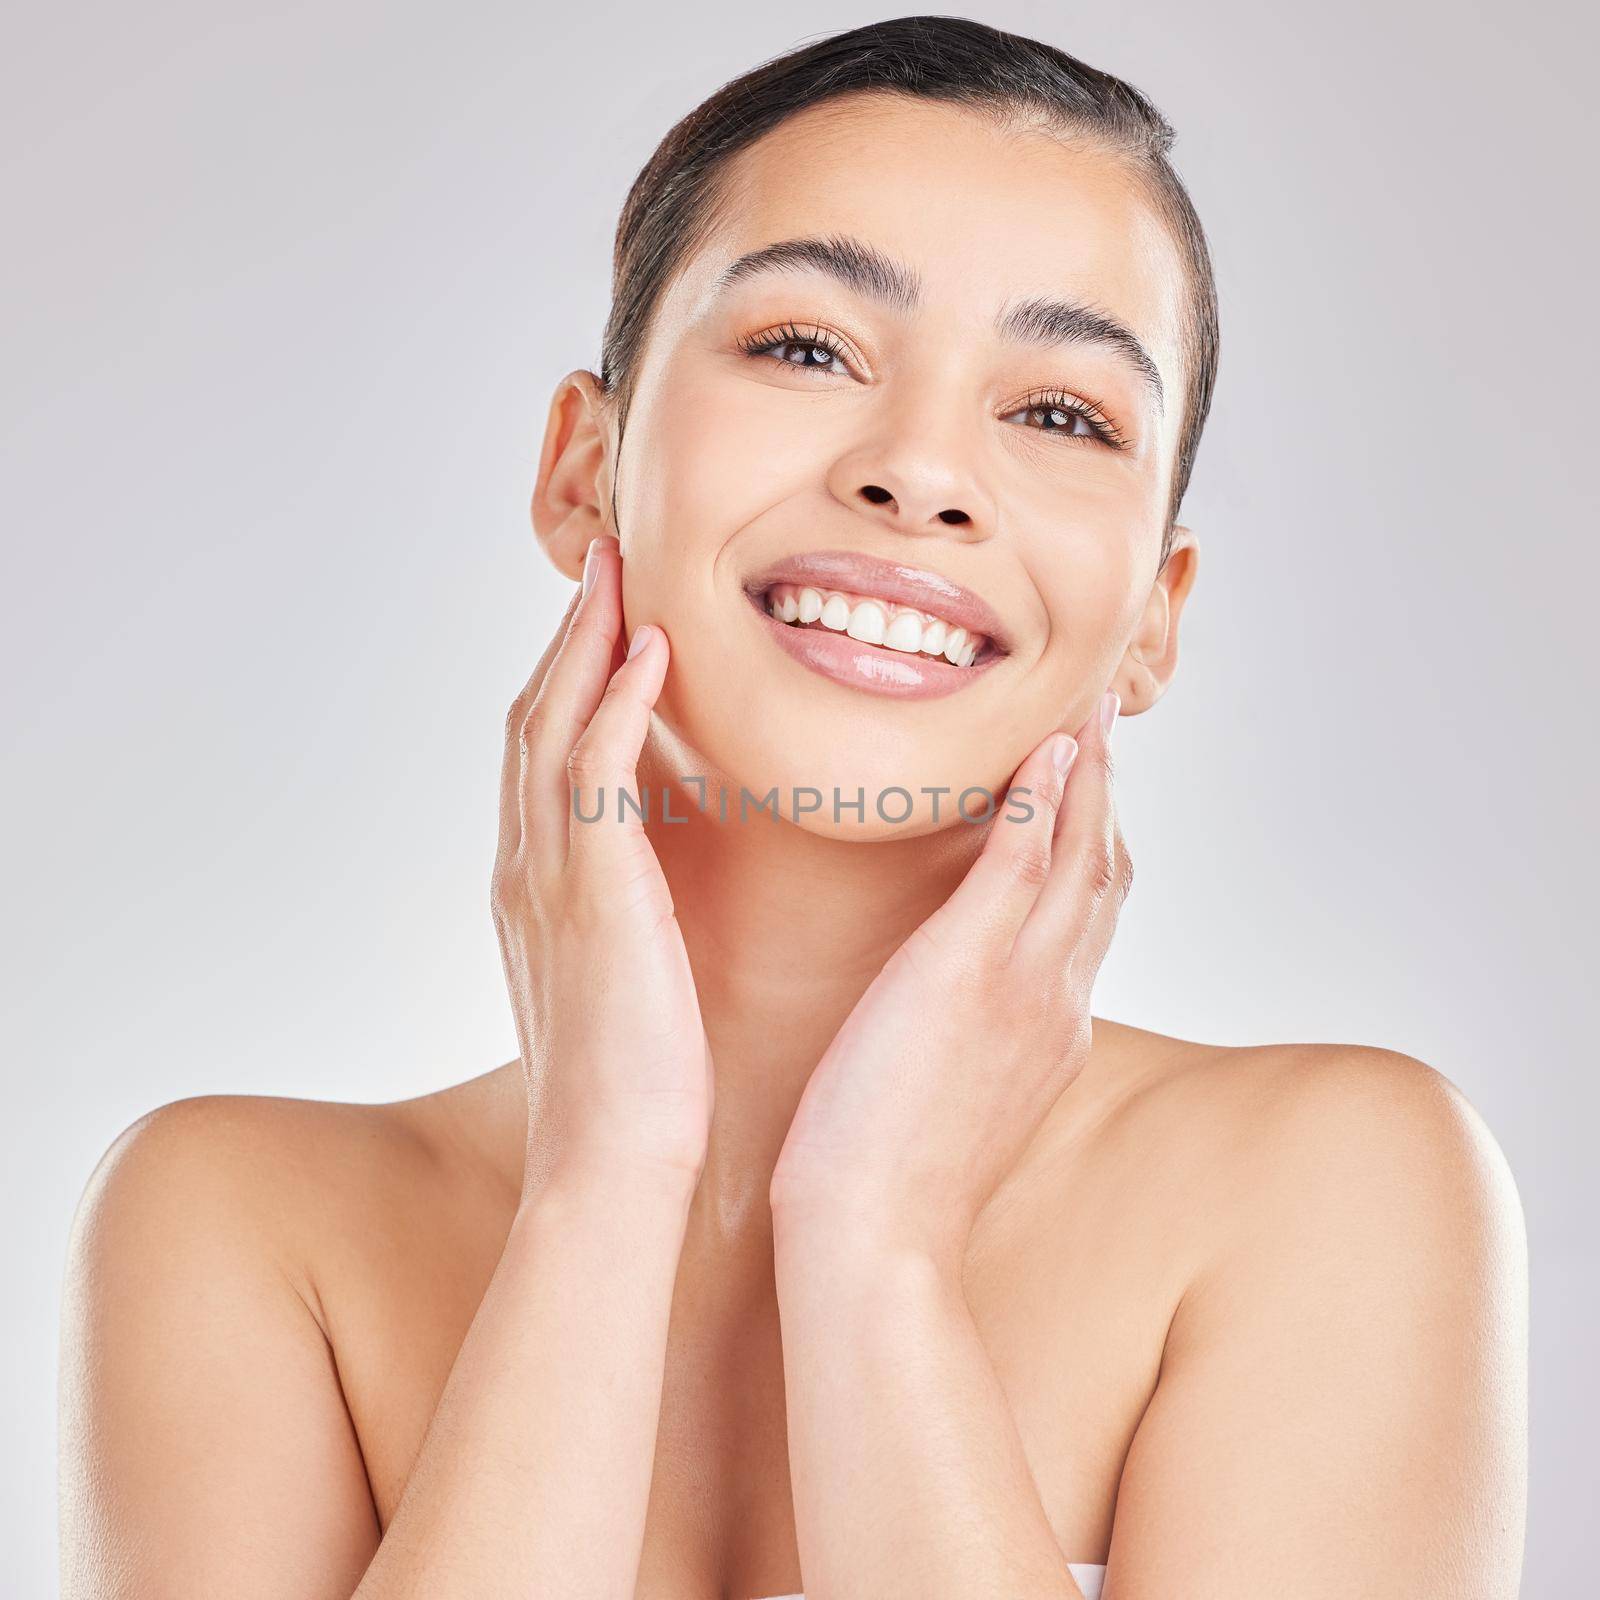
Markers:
(1104, 430)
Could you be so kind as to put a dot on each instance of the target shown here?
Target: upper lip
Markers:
(857, 573)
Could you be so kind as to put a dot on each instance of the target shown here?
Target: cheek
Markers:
(721, 452)
(1089, 570)
(703, 459)
(684, 488)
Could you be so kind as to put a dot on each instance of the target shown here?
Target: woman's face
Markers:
(794, 410)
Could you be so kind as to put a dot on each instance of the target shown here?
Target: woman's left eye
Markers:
(1062, 413)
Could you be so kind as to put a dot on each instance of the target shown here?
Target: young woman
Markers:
(821, 1239)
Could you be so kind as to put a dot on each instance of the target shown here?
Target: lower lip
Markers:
(876, 669)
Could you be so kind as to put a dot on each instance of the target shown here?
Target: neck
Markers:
(784, 929)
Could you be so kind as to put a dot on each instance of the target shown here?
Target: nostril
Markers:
(879, 496)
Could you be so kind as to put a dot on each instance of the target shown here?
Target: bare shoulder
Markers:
(300, 1183)
(254, 1173)
(193, 1332)
(1347, 1199)
(1349, 1337)
(229, 1258)
(1320, 1158)
(1314, 1126)
(1278, 1120)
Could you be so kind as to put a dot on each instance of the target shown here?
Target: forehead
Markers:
(982, 214)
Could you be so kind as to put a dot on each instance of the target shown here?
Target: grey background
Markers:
(286, 296)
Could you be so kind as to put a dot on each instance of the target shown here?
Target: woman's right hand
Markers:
(613, 1046)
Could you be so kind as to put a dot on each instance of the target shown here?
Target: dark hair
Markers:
(671, 205)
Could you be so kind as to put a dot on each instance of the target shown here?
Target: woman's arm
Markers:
(910, 1481)
(205, 1446)
(535, 1475)
(1341, 1409)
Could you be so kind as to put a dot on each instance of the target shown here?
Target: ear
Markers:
(572, 494)
(1152, 655)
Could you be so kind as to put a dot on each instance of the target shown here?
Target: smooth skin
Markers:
(820, 1237)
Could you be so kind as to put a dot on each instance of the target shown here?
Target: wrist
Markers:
(589, 1186)
(828, 1285)
(844, 1245)
(588, 1161)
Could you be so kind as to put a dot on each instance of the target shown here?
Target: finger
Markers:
(606, 838)
(993, 899)
(561, 710)
(1103, 920)
(511, 755)
(1087, 867)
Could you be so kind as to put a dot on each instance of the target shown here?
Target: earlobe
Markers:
(1152, 655)
(571, 494)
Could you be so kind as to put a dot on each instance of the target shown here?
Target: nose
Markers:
(917, 476)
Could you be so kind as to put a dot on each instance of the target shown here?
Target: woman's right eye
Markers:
(808, 348)
(810, 352)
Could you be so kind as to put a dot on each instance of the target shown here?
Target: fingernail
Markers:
(1062, 750)
(591, 564)
(1110, 704)
(641, 637)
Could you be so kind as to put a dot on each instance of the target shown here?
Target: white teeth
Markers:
(835, 613)
(905, 632)
(867, 623)
(877, 622)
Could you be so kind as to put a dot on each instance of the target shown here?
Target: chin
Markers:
(757, 730)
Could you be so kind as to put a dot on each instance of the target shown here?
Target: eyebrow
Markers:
(876, 276)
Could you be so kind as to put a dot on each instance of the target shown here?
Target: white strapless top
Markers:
(1088, 1576)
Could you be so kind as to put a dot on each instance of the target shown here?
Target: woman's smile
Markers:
(878, 625)
(861, 664)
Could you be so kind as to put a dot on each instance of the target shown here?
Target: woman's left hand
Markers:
(948, 1064)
